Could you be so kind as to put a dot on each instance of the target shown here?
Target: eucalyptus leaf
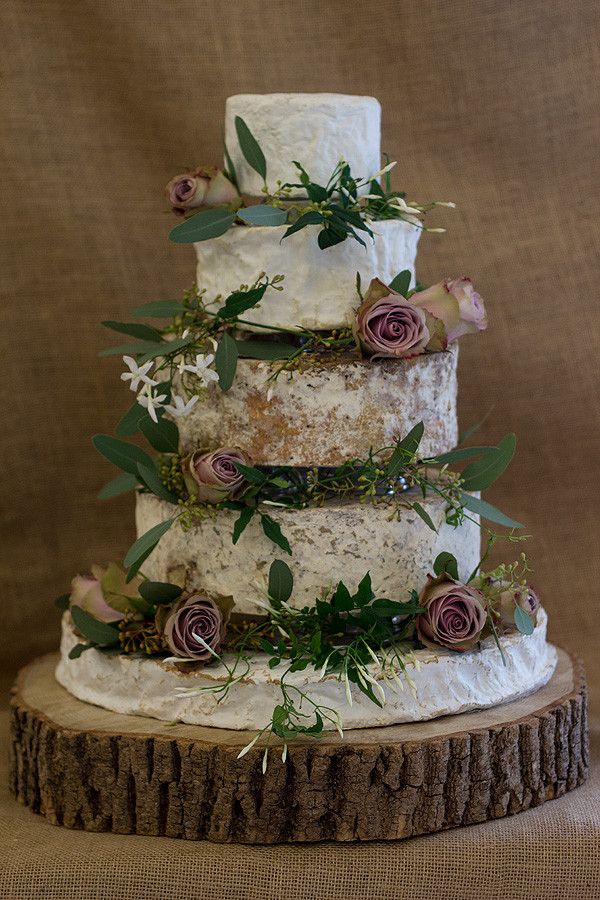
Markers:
(136, 330)
(405, 449)
(230, 173)
(169, 348)
(269, 350)
(467, 434)
(401, 283)
(210, 223)
(342, 600)
(98, 632)
(133, 347)
(483, 472)
(158, 309)
(523, 622)
(240, 301)
(162, 435)
(243, 520)
(226, 358)
(76, 651)
(263, 215)
(316, 192)
(457, 455)
(130, 423)
(146, 543)
(446, 562)
(273, 531)
(388, 608)
(123, 455)
(153, 482)
(122, 484)
(254, 476)
(364, 593)
(424, 515)
(487, 511)
(159, 592)
(281, 581)
(62, 602)
(250, 148)
(328, 237)
(310, 218)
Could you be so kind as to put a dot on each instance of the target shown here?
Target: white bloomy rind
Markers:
(330, 543)
(314, 129)
(446, 683)
(319, 289)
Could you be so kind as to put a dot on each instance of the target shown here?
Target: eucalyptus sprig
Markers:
(340, 208)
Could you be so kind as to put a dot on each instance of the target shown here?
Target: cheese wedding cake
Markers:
(309, 548)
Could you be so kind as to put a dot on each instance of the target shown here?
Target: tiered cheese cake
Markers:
(327, 491)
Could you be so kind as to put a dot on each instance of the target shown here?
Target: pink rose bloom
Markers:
(453, 614)
(387, 325)
(456, 303)
(198, 615)
(104, 594)
(199, 187)
(211, 477)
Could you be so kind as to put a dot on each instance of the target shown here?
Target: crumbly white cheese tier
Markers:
(319, 290)
(445, 683)
(317, 130)
(328, 414)
(329, 543)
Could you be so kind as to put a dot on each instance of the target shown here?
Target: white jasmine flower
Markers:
(382, 172)
(150, 401)
(249, 746)
(409, 210)
(137, 373)
(181, 408)
(201, 368)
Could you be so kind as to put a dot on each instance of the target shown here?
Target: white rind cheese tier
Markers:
(319, 289)
(447, 683)
(329, 543)
(317, 130)
(328, 414)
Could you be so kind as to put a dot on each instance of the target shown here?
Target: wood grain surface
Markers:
(84, 767)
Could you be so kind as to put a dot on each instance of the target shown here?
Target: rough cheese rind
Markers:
(326, 415)
(317, 130)
(329, 543)
(446, 683)
(319, 289)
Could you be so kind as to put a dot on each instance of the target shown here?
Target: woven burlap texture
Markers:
(491, 105)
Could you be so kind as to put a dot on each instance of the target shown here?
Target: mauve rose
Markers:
(386, 324)
(210, 477)
(196, 615)
(200, 187)
(105, 594)
(453, 616)
(456, 303)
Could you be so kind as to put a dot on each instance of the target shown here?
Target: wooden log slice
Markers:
(87, 768)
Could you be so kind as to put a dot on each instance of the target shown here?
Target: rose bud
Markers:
(509, 599)
(199, 187)
(388, 325)
(197, 615)
(453, 614)
(211, 477)
(105, 594)
(456, 303)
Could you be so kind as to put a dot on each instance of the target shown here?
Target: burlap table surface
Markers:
(494, 106)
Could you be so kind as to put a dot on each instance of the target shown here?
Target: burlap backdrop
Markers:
(491, 105)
